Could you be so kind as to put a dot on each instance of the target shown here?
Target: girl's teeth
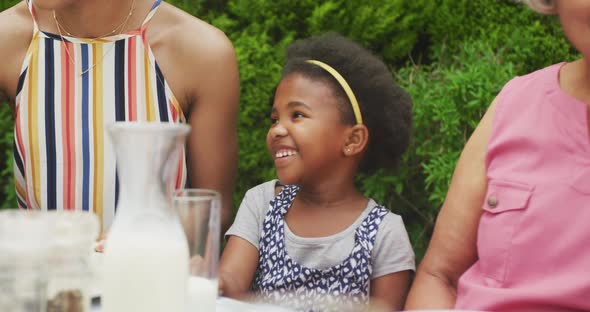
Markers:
(285, 154)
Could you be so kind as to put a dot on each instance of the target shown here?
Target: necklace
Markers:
(120, 29)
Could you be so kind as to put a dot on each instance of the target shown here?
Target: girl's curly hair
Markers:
(386, 108)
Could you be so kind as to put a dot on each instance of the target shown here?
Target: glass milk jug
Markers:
(145, 265)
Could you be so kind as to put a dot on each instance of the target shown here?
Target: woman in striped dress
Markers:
(72, 68)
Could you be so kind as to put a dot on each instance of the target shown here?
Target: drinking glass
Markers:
(199, 211)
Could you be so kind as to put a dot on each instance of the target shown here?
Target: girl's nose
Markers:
(278, 130)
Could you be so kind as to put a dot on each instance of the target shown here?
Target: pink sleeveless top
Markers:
(534, 234)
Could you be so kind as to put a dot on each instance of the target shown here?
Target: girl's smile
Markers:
(283, 156)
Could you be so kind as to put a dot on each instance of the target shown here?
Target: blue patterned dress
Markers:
(281, 280)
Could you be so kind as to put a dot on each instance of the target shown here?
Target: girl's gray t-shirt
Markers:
(391, 253)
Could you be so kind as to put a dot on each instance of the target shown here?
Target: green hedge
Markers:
(7, 194)
(452, 56)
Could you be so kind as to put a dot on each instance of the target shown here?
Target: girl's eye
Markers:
(298, 115)
(273, 120)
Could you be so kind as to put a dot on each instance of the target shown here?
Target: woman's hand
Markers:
(100, 242)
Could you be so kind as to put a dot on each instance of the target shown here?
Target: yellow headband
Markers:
(345, 86)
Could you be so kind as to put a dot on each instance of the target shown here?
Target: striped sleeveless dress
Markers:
(69, 92)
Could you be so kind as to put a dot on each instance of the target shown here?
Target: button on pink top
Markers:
(534, 235)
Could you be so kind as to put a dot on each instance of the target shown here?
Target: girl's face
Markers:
(306, 137)
(575, 20)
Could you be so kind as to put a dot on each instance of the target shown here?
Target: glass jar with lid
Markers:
(70, 275)
(24, 242)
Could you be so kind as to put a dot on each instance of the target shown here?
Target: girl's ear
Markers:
(356, 141)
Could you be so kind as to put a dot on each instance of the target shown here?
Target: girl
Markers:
(512, 234)
(73, 67)
(311, 239)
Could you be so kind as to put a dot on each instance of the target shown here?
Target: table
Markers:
(226, 305)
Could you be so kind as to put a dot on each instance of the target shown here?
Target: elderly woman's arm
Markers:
(452, 249)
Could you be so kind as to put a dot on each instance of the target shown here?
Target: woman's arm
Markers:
(213, 142)
(204, 69)
(389, 292)
(237, 268)
(452, 249)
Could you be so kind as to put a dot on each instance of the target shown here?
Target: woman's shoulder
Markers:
(187, 46)
(538, 80)
(16, 32)
(17, 17)
(16, 23)
(189, 31)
